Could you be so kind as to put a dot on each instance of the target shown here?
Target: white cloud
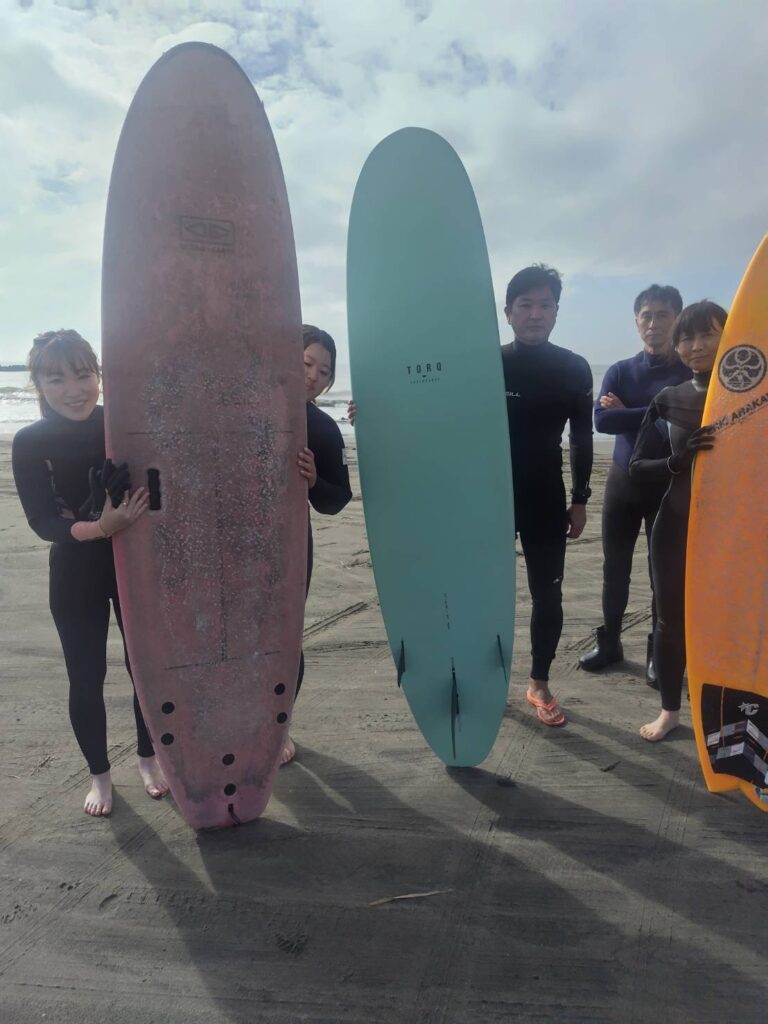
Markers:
(213, 32)
(618, 142)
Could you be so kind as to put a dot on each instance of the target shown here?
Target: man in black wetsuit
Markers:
(546, 386)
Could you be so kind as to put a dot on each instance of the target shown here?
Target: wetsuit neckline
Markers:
(700, 381)
(520, 346)
(652, 360)
(51, 416)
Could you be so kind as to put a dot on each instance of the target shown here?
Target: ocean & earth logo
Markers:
(205, 233)
(742, 368)
(424, 373)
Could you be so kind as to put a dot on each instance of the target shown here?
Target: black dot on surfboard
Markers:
(168, 708)
(228, 759)
(166, 739)
(282, 717)
(230, 788)
(280, 688)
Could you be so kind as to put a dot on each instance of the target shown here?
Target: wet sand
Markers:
(579, 875)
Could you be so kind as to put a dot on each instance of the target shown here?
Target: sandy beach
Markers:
(578, 875)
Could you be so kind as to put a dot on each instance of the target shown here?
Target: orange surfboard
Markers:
(727, 574)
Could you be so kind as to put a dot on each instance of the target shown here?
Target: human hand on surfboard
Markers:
(701, 440)
(307, 467)
(115, 480)
(110, 480)
(352, 412)
(131, 508)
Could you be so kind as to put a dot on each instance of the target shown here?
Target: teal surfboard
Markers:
(432, 438)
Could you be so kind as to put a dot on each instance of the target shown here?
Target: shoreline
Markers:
(603, 443)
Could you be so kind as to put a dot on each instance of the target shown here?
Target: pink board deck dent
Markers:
(204, 384)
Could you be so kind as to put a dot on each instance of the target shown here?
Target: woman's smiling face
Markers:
(698, 349)
(72, 393)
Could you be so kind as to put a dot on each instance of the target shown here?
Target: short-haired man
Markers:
(628, 389)
(546, 386)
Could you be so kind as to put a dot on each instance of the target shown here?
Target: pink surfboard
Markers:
(204, 399)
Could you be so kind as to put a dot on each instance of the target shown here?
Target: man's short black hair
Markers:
(660, 293)
(539, 275)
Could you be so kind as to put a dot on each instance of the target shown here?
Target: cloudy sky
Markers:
(622, 143)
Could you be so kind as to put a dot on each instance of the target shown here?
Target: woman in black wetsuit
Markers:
(76, 500)
(669, 438)
(323, 463)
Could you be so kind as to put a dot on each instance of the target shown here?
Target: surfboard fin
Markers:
(401, 663)
(454, 709)
(501, 658)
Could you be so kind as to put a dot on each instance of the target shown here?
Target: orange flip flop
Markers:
(548, 713)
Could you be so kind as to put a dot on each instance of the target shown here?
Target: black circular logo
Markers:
(742, 368)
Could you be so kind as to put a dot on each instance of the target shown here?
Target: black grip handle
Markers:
(153, 486)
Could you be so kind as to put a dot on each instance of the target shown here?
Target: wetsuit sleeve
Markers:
(331, 491)
(33, 482)
(616, 421)
(652, 449)
(580, 420)
(609, 384)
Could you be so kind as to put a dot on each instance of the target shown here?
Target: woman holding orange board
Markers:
(670, 437)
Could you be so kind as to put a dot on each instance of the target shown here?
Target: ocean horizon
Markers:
(18, 401)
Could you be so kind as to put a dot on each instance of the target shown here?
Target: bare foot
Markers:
(539, 690)
(548, 710)
(665, 723)
(152, 776)
(98, 803)
(289, 752)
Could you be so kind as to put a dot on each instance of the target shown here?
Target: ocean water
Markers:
(18, 400)
(335, 402)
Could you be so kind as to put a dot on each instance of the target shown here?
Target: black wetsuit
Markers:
(628, 504)
(546, 386)
(671, 419)
(331, 491)
(51, 459)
